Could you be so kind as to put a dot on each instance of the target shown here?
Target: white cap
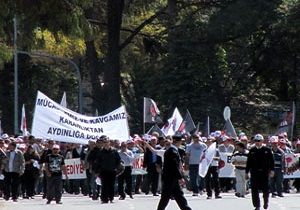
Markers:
(56, 146)
(217, 133)
(258, 137)
(5, 136)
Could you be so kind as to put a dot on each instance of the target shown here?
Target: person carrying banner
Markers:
(172, 177)
(260, 164)
(193, 153)
(239, 160)
(54, 168)
(212, 175)
(137, 150)
(151, 161)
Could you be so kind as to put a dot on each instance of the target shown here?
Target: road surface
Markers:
(148, 202)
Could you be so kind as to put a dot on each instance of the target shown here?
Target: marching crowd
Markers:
(30, 166)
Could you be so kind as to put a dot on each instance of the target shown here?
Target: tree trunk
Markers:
(112, 71)
(94, 71)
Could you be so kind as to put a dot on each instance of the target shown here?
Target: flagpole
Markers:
(208, 126)
(144, 115)
(293, 120)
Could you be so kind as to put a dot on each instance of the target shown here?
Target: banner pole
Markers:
(144, 115)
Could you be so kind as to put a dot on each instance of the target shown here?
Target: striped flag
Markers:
(23, 126)
(151, 111)
(288, 121)
(187, 125)
(173, 123)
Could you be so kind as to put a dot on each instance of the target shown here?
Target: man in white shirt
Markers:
(127, 158)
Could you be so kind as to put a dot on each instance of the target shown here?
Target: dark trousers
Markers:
(79, 184)
(44, 184)
(226, 184)
(138, 179)
(127, 177)
(212, 180)
(54, 188)
(195, 180)
(152, 178)
(28, 182)
(108, 179)
(259, 181)
(11, 185)
(277, 181)
(171, 188)
(286, 185)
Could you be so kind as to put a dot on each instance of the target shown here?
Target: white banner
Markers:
(75, 169)
(227, 169)
(53, 121)
(206, 159)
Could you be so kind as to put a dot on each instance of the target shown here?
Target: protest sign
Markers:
(137, 166)
(225, 166)
(53, 121)
(290, 160)
(75, 169)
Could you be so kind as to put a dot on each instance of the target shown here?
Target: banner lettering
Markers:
(53, 121)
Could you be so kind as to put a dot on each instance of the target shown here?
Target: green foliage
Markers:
(207, 55)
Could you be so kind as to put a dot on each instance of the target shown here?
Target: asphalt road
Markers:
(148, 202)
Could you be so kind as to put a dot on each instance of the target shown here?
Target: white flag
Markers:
(23, 126)
(173, 123)
(63, 101)
(206, 159)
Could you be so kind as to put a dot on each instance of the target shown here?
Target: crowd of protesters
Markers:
(31, 166)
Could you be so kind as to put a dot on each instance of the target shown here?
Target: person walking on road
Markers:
(127, 158)
(172, 177)
(54, 167)
(193, 153)
(260, 164)
(14, 166)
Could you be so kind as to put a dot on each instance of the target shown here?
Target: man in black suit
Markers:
(260, 164)
(172, 176)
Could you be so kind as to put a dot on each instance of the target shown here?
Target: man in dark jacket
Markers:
(260, 164)
(108, 160)
(14, 168)
(172, 177)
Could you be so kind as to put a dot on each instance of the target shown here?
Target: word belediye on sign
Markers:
(75, 169)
